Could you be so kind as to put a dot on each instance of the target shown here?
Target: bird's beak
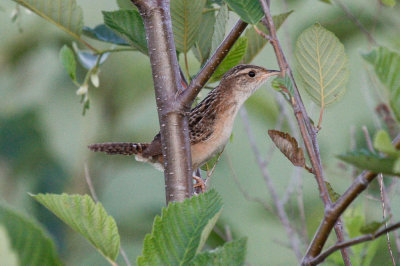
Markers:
(273, 73)
(268, 73)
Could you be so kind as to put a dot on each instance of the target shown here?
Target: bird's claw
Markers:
(199, 183)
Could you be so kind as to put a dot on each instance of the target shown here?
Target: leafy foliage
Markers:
(280, 83)
(87, 218)
(180, 233)
(231, 253)
(202, 46)
(186, 18)
(68, 60)
(213, 161)
(249, 11)
(372, 227)
(332, 193)
(321, 64)
(219, 27)
(125, 4)
(103, 33)
(387, 67)
(7, 255)
(390, 3)
(383, 143)
(363, 253)
(326, 1)
(130, 25)
(27, 239)
(367, 160)
(65, 14)
(256, 42)
(233, 58)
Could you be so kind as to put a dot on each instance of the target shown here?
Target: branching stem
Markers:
(307, 130)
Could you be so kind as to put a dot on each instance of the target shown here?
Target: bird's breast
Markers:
(205, 150)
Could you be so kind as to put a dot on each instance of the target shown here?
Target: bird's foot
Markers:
(199, 184)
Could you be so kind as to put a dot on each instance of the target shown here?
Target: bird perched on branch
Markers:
(210, 122)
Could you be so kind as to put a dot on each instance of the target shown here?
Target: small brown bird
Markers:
(210, 122)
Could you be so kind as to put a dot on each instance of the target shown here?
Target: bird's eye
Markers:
(252, 74)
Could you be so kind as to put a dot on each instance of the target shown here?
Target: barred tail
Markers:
(124, 148)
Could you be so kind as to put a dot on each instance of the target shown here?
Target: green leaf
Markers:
(27, 239)
(256, 42)
(326, 1)
(65, 14)
(186, 17)
(210, 163)
(231, 253)
(285, 82)
(178, 234)
(130, 25)
(367, 160)
(219, 27)
(387, 68)
(87, 218)
(332, 193)
(249, 11)
(396, 167)
(322, 64)
(233, 58)
(68, 60)
(104, 34)
(125, 4)
(203, 45)
(390, 3)
(372, 227)
(7, 255)
(363, 253)
(383, 143)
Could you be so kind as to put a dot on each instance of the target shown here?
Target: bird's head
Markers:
(246, 79)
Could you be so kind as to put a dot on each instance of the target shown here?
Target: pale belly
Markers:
(202, 152)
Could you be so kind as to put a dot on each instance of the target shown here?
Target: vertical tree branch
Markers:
(167, 82)
(307, 131)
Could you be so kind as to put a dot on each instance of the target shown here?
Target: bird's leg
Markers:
(200, 186)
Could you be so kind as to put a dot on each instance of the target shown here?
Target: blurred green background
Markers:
(43, 135)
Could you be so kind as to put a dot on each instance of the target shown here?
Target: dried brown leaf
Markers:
(288, 146)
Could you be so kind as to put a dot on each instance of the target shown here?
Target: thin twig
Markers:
(282, 215)
(95, 198)
(89, 183)
(382, 191)
(228, 233)
(261, 33)
(307, 131)
(354, 241)
(368, 139)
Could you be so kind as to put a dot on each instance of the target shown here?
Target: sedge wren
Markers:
(210, 122)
